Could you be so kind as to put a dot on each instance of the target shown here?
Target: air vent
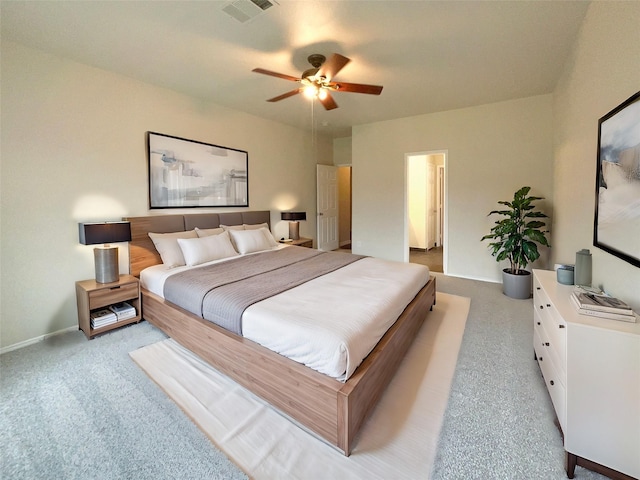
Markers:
(245, 10)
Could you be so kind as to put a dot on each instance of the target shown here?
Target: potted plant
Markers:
(516, 237)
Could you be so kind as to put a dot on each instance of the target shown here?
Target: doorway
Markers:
(425, 209)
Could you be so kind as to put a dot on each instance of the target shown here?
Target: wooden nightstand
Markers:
(92, 296)
(301, 242)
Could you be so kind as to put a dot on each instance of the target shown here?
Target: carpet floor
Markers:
(399, 440)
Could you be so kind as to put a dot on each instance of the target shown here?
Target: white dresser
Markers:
(591, 367)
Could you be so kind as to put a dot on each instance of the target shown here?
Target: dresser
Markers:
(591, 367)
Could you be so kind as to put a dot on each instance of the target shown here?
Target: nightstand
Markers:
(92, 297)
(301, 242)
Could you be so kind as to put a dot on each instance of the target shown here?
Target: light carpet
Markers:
(398, 441)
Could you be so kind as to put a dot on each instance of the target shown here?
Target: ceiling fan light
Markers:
(322, 94)
(310, 91)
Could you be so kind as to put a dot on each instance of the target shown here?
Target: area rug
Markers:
(398, 441)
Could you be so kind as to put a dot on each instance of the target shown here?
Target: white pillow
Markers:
(249, 241)
(205, 232)
(168, 248)
(205, 249)
(258, 226)
(233, 227)
(255, 226)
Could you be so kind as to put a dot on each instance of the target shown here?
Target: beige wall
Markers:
(73, 150)
(342, 151)
(603, 71)
(492, 150)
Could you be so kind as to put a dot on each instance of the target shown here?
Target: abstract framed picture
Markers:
(187, 173)
(617, 213)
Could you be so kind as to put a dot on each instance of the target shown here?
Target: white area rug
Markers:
(398, 441)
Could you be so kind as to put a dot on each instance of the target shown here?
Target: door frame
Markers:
(445, 231)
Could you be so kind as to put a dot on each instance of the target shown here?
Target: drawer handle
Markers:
(551, 382)
(540, 358)
(538, 323)
(537, 288)
(548, 305)
(115, 288)
(561, 326)
(546, 344)
(541, 307)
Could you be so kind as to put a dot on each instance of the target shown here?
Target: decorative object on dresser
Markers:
(617, 216)
(591, 368)
(294, 223)
(515, 238)
(105, 306)
(187, 173)
(105, 257)
(582, 270)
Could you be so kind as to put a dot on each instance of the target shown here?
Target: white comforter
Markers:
(330, 323)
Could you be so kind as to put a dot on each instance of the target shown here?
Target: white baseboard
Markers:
(467, 277)
(31, 341)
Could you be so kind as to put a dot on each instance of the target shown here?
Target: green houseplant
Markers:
(515, 237)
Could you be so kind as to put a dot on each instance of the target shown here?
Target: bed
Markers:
(332, 409)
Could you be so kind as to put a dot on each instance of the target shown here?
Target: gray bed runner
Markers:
(221, 292)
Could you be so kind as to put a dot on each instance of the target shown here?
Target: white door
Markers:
(327, 207)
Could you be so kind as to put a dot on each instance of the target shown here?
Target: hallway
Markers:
(431, 258)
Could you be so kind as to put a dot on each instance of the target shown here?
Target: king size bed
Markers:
(331, 395)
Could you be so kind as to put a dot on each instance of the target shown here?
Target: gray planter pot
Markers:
(517, 286)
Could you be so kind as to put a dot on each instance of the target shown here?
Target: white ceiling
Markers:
(430, 56)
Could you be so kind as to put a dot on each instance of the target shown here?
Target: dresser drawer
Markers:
(554, 326)
(554, 380)
(107, 296)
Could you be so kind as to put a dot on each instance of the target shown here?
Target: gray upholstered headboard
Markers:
(142, 252)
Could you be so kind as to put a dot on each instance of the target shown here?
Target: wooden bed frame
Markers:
(333, 410)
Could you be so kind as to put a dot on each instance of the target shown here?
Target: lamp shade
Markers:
(293, 216)
(105, 232)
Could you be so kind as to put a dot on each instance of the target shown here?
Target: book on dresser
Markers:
(123, 310)
(601, 305)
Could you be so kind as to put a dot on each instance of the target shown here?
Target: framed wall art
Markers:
(187, 173)
(617, 213)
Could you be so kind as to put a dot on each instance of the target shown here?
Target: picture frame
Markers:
(617, 210)
(188, 174)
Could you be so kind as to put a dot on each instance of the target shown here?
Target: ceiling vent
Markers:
(245, 10)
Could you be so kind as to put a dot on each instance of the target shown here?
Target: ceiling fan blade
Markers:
(331, 67)
(355, 88)
(275, 74)
(328, 102)
(285, 95)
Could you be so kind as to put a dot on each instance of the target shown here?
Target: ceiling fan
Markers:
(318, 81)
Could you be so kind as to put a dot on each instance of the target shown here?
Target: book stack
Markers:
(102, 318)
(123, 310)
(601, 305)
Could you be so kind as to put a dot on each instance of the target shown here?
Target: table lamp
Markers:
(106, 256)
(294, 223)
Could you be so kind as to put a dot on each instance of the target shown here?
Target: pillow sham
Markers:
(205, 232)
(249, 241)
(258, 226)
(232, 227)
(205, 249)
(167, 246)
